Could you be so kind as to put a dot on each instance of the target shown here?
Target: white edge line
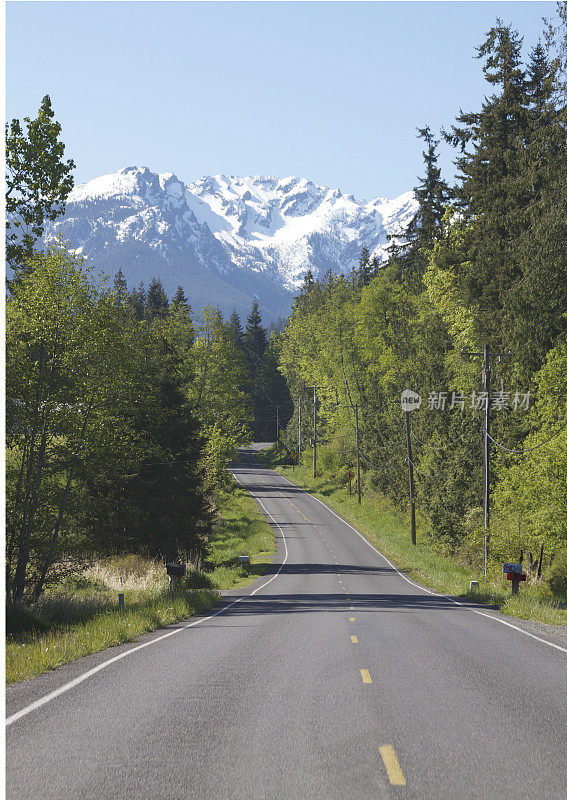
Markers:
(423, 589)
(66, 687)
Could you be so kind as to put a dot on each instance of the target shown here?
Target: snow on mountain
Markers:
(225, 238)
(290, 225)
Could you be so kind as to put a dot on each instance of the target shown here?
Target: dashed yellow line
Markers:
(297, 509)
(354, 640)
(392, 765)
(367, 679)
(351, 619)
(351, 608)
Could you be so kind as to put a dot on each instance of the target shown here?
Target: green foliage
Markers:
(37, 652)
(489, 269)
(558, 575)
(427, 562)
(37, 181)
(216, 395)
(79, 614)
(104, 451)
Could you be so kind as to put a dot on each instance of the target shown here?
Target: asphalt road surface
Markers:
(332, 677)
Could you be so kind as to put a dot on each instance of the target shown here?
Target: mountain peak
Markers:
(257, 234)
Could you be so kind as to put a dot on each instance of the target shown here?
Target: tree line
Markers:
(123, 408)
(484, 262)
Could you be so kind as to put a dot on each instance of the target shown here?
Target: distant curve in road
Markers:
(333, 677)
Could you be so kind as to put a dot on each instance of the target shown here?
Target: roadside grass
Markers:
(33, 652)
(79, 615)
(386, 528)
(242, 530)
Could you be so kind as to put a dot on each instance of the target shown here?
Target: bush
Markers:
(558, 575)
(21, 618)
(195, 580)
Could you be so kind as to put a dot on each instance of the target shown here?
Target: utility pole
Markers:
(299, 435)
(277, 427)
(411, 485)
(486, 487)
(357, 455)
(314, 431)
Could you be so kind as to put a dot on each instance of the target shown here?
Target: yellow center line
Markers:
(340, 581)
(367, 679)
(296, 508)
(354, 640)
(392, 765)
(351, 608)
(351, 619)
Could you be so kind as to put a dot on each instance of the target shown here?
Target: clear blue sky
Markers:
(332, 91)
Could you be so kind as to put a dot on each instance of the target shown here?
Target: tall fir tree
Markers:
(488, 193)
(158, 303)
(234, 327)
(138, 302)
(432, 194)
(364, 267)
(255, 341)
(120, 287)
(179, 298)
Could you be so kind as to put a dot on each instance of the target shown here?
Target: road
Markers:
(332, 677)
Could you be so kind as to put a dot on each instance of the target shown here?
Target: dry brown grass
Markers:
(128, 573)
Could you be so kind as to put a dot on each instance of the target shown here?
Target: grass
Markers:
(80, 615)
(386, 528)
(36, 651)
(242, 530)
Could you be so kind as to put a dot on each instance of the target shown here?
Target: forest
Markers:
(483, 264)
(123, 413)
(124, 407)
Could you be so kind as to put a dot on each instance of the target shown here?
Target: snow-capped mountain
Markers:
(225, 239)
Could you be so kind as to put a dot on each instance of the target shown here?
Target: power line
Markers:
(527, 449)
(430, 477)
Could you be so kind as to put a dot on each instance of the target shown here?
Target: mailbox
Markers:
(175, 570)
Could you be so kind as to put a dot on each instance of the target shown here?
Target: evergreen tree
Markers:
(157, 302)
(255, 341)
(179, 298)
(432, 194)
(364, 267)
(138, 302)
(308, 282)
(120, 287)
(234, 327)
(488, 192)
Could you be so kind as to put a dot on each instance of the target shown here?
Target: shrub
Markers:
(195, 580)
(22, 618)
(558, 575)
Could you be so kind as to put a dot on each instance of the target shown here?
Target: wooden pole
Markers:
(314, 431)
(411, 486)
(357, 455)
